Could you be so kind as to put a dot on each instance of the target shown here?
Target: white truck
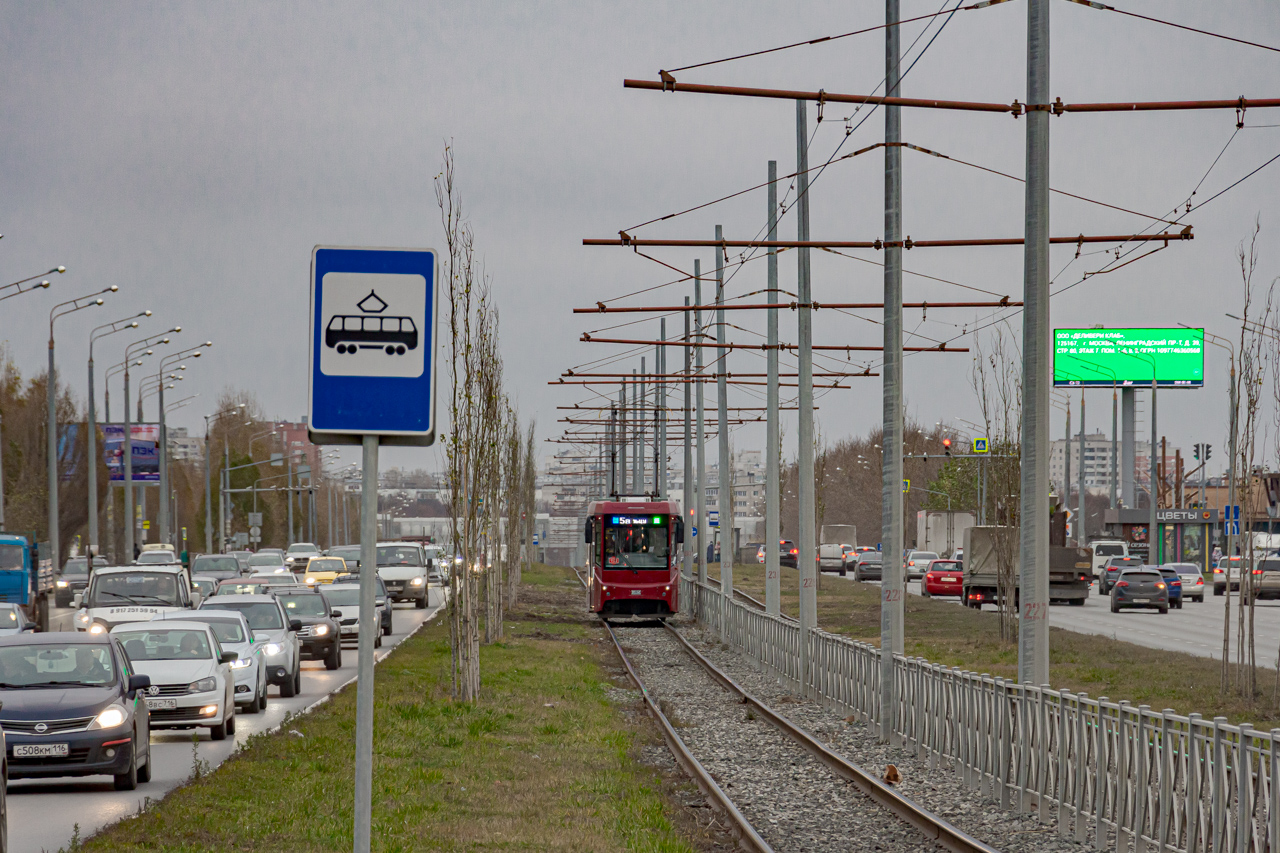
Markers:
(942, 531)
(1105, 549)
(403, 569)
(132, 594)
(835, 540)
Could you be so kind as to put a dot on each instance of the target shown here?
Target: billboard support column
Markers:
(1128, 448)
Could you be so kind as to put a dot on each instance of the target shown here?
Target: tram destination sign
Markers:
(1103, 357)
(638, 520)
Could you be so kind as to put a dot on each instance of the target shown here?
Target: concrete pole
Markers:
(163, 509)
(620, 439)
(51, 395)
(1128, 447)
(892, 606)
(1081, 533)
(660, 410)
(1115, 472)
(643, 401)
(724, 493)
(806, 555)
(1154, 552)
(1, 480)
(772, 475)
(128, 472)
(1033, 557)
(92, 446)
(690, 520)
(291, 537)
(700, 441)
(637, 452)
(364, 660)
(1066, 461)
(208, 495)
(224, 479)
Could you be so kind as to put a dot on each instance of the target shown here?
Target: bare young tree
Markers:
(996, 377)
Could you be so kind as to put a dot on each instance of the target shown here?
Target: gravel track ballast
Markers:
(793, 801)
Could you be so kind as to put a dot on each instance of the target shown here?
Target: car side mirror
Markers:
(139, 682)
(295, 624)
(590, 533)
(335, 614)
(679, 531)
(196, 599)
(30, 626)
(75, 601)
(228, 657)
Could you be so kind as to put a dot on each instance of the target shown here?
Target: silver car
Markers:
(234, 635)
(1192, 580)
(918, 563)
(1142, 587)
(275, 631)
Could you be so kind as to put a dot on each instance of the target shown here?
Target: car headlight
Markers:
(63, 584)
(272, 648)
(109, 718)
(97, 628)
(416, 582)
(241, 663)
(204, 685)
(321, 630)
(310, 579)
(83, 619)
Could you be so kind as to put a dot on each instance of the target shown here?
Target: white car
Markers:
(917, 563)
(299, 553)
(345, 598)
(132, 594)
(235, 635)
(265, 563)
(276, 633)
(156, 558)
(191, 682)
(403, 568)
(13, 621)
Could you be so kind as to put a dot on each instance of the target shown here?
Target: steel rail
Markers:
(933, 827)
(742, 827)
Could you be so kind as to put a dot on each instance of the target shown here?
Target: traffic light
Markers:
(1196, 452)
(1208, 451)
(946, 446)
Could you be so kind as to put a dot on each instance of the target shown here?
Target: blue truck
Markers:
(25, 579)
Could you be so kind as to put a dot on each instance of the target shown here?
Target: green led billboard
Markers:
(1127, 357)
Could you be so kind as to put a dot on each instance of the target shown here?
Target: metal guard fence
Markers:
(1142, 779)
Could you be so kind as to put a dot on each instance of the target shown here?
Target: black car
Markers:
(788, 553)
(221, 566)
(1111, 572)
(74, 578)
(379, 601)
(319, 638)
(867, 565)
(72, 707)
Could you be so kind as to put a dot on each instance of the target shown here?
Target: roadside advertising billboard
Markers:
(146, 451)
(1102, 357)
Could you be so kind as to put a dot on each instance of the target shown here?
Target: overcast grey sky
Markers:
(193, 153)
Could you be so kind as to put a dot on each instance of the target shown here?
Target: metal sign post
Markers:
(371, 382)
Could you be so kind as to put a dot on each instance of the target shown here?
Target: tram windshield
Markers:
(635, 542)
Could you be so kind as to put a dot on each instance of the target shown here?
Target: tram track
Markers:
(776, 784)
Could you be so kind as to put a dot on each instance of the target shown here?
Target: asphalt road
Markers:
(1195, 629)
(43, 814)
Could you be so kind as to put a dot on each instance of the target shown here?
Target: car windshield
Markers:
(56, 665)
(153, 558)
(327, 564)
(264, 560)
(150, 588)
(206, 587)
(1269, 565)
(302, 548)
(216, 566)
(868, 558)
(1186, 569)
(350, 554)
(76, 567)
(261, 615)
(399, 555)
(945, 566)
(343, 597)
(224, 629)
(10, 556)
(1108, 550)
(303, 605)
(8, 615)
(629, 545)
(1123, 562)
(240, 588)
(923, 555)
(1142, 577)
(166, 644)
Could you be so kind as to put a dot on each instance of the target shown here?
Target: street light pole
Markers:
(51, 395)
(18, 284)
(92, 439)
(127, 444)
(164, 521)
(208, 480)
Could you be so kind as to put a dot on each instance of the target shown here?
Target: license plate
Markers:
(41, 750)
(162, 704)
(1142, 601)
(949, 580)
(635, 592)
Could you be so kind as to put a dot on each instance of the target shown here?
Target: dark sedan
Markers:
(1141, 587)
(867, 566)
(1111, 572)
(789, 554)
(380, 600)
(71, 707)
(319, 637)
(220, 566)
(74, 578)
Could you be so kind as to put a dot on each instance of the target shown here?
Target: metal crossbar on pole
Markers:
(942, 347)
(793, 305)
(887, 243)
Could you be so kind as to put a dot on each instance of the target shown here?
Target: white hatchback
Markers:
(191, 682)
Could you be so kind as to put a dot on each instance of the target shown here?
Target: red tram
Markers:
(633, 568)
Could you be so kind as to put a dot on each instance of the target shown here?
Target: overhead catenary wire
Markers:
(1092, 4)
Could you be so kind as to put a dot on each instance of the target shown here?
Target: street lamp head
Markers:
(208, 343)
(113, 288)
(148, 352)
(133, 325)
(62, 269)
(163, 341)
(193, 355)
(44, 284)
(176, 329)
(97, 302)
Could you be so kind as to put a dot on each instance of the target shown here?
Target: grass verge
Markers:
(544, 761)
(946, 634)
